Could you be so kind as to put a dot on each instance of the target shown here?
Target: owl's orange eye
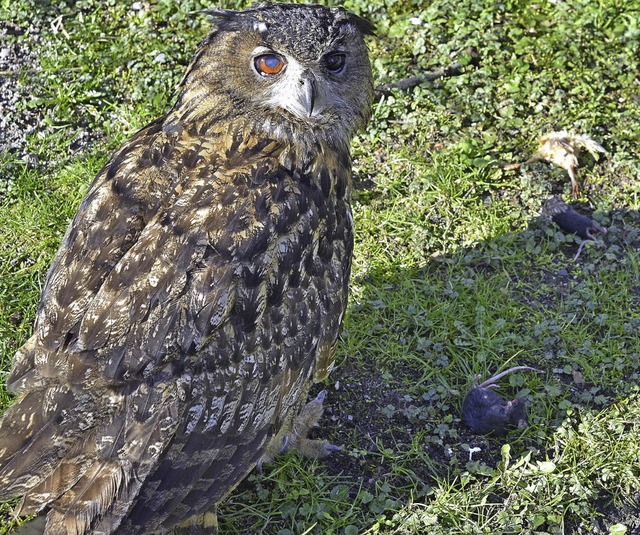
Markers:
(269, 64)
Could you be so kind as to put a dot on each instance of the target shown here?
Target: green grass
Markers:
(455, 273)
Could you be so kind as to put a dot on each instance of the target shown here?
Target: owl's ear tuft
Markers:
(364, 26)
(228, 20)
(361, 24)
(225, 19)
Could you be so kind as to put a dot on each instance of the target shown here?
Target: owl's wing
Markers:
(189, 321)
(105, 227)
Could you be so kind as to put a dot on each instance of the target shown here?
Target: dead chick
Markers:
(563, 149)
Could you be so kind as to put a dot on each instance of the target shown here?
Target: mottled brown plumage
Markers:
(200, 287)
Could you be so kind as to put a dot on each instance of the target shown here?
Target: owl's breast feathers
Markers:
(198, 289)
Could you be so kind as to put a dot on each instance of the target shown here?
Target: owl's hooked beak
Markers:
(308, 95)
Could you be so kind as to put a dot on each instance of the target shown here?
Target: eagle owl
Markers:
(199, 289)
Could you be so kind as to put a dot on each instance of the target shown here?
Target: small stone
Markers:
(31, 159)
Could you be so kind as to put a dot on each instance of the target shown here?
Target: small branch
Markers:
(454, 69)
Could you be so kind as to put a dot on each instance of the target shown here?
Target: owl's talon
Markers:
(315, 449)
(309, 416)
(297, 439)
(307, 419)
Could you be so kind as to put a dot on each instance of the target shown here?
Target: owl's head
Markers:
(287, 68)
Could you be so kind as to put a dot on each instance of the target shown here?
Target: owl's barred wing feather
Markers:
(59, 406)
(31, 443)
(107, 224)
(112, 471)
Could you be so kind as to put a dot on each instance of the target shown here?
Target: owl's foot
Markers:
(315, 449)
(204, 524)
(297, 439)
(303, 423)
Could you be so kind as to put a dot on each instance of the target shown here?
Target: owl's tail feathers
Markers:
(92, 488)
(37, 432)
(88, 497)
(78, 496)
